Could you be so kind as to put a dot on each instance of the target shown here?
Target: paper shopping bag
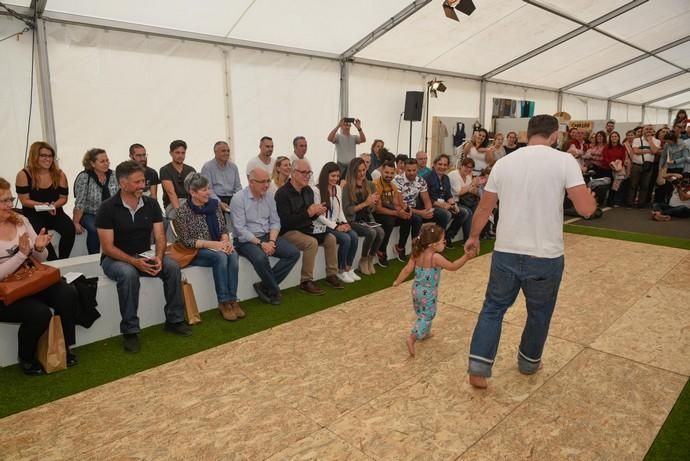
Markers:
(191, 311)
(51, 351)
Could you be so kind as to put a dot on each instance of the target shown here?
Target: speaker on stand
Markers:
(414, 102)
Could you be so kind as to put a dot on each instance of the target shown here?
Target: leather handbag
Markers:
(182, 254)
(29, 279)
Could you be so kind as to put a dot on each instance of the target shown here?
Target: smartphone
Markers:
(349, 119)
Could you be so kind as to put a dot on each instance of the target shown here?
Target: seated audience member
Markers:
(511, 144)
(257, 224)
(400, 160)
(93, 186)
(678, 206)
(465, 190)
(359, 200)
(18, 241)
(280, 174)
(264, 160)
(674, 156)
(172, 178)
(414, 194)
(476, 149)
(223, 176)
(367, 162)
(42, 182)
(299, 145)
(200, 223)
(386, 157)
(496, 150)
(297, 210)
(422, 160)
(137, 152)
(328, 192)
(125, 222)
(390, 210)
(616, 157)
(375, 156)
(645, 149)
(441, 196)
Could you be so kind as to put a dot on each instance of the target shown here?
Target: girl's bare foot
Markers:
(478, 381)
(410, 344)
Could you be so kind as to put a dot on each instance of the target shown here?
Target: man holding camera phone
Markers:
(346, 143)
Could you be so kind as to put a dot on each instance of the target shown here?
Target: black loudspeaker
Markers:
(414, 101)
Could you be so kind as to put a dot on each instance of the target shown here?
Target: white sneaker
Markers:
(354, 276)
(345, 277)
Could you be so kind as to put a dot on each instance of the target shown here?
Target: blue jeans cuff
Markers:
(479, 368)
(526, 365)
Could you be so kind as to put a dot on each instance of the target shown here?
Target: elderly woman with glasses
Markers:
(200, 223)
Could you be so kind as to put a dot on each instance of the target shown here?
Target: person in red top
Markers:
(594, 157)
(616, 159)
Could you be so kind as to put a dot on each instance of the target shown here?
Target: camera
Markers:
(349, 120)
(670, 136)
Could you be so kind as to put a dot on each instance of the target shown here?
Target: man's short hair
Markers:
(386, 156)
(136, 145)
(177, 143)
(388, 164)
(218, 143)
(611, 121)
(542, 125)
(265, 138)
(128, 168)
(410, 161)
(401, 158)
(441, 156)
(297, 138)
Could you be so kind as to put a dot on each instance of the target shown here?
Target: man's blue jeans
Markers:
(271, 277)
(225, 268)
(539, 279)
(127, 278)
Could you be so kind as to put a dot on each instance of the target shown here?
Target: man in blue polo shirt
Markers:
(124, 224)
(223, 175)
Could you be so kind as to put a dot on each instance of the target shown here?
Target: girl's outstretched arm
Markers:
(443, 263)
(405, 272)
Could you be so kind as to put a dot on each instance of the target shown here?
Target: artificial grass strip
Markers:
(673, 440)
(650, 239)
(105, 361)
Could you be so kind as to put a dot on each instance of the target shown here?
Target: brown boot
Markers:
(370, 262)
(364, 265)
(239, 313)
(227, 312)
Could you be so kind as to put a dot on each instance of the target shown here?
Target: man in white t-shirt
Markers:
(646, 150)
(264, 159)
(299, 145)
(346, 143)
(528, 253)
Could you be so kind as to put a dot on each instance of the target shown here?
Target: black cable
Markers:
(28, 20)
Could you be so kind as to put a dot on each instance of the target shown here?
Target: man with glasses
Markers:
(256, 224)
(137, 152)
(422, 159)
(297, 210)
(223, 176)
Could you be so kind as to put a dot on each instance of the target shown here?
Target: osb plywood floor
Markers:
(339, 385)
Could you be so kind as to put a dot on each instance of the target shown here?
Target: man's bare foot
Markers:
(478, 381)
(410, 344)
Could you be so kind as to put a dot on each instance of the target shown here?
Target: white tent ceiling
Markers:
(629, 51)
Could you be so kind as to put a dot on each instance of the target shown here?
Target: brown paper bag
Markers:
(51, 351)
(191, 311)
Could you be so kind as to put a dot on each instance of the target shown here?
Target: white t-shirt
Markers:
(457, 183)
(256, 162)
(676, 200)
(345, 147)
(531, 184)
(642, 143)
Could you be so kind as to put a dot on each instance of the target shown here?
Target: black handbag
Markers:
(86, 291)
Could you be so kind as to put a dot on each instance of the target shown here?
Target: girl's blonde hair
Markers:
(275, 175)
(429, 234)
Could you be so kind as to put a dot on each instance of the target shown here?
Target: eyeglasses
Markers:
(261, 181)
(306, 173)
(45, 156)
(8, 201)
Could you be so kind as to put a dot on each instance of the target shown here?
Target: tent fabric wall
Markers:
(112, 89)
(15, 72)
(283, 96)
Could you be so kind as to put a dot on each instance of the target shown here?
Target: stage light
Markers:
(449, 11)
(437, 85)
(466, 7)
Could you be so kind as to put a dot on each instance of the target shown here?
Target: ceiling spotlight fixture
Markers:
(464, 6)
(435, 86)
